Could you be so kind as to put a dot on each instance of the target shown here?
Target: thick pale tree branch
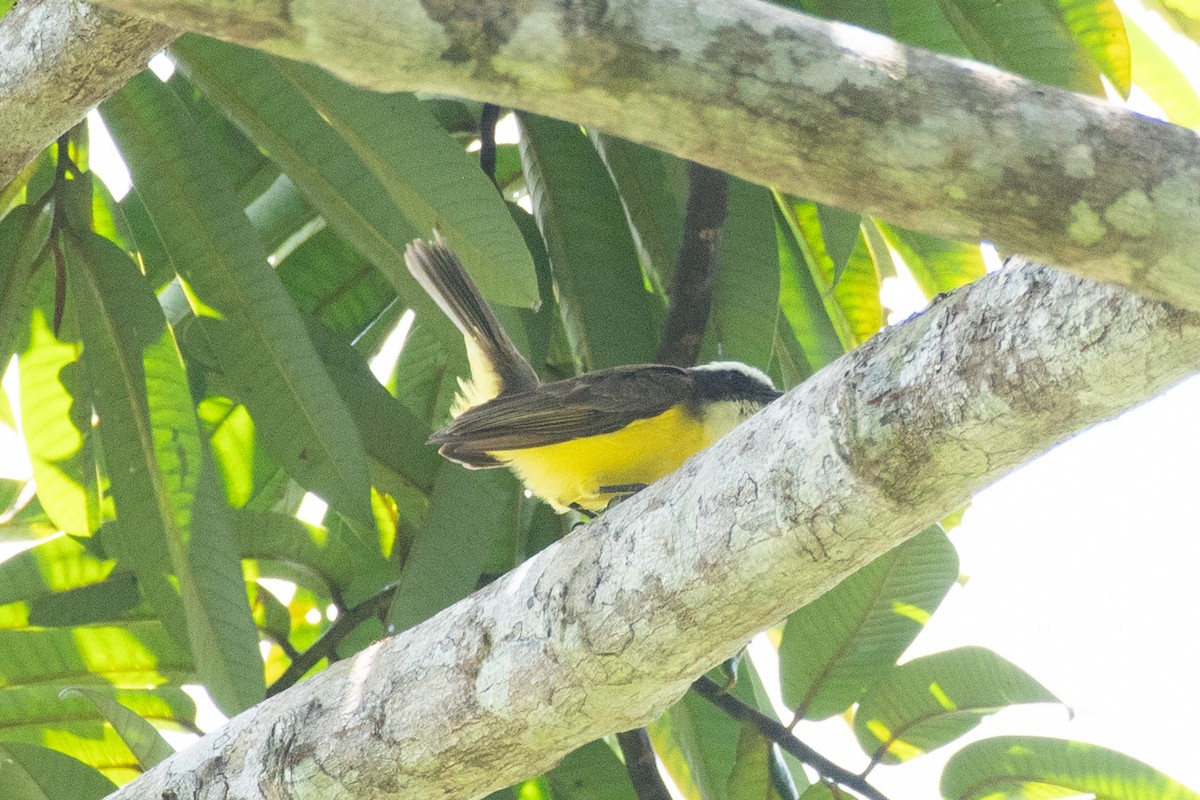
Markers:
(822, 110)
(602, 631)
(58, 59)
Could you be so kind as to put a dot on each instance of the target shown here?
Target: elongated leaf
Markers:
(1155, 73)
(149, 431)
(870, 14)
(250, 90)
(801, 299)
(468, 510)
(1032, 766)
(329, 279)
(650, 184)
(146, 743)
(105, 601)
(56, 564)
(746, 294)
(394, 437)
(937, 265)
(280, 216)
(56, 415)
(751, 776)
(610, 317)
(249, 170)
(265, 351)
(1097, 27)
(278, 537)
(1023, 36)
(837, 646)
(851, 298)
(429, 177)
(923, 23)
(592, 772)
(152, 448)
(23, 235)
(697, 745)
(931, 701)
(129, 655)
(839, 232)
(26, 712)
(220, 623)
(244, 468)
(38, 773)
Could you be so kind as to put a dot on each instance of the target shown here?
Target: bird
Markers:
(581, 443)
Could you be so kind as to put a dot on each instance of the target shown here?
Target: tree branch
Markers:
(642, 766)
(691, 291)
(604, 629)
(819, 109)
(57, 60)
(710, 691)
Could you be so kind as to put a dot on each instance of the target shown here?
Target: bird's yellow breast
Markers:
(572, 474)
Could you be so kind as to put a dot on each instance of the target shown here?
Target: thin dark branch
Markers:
(324, 646)
(641, 765)
(691, 291)
(711, 691)
(488, 118)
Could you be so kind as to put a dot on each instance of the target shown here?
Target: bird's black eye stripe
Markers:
(732, 384)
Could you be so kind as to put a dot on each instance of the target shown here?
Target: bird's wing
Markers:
(589, 405)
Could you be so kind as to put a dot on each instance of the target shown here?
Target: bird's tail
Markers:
(496, 364)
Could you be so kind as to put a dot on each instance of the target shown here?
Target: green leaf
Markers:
(870, 14)
(837, 646)
(923, 23)
(751, 775)
(146, 743)
(37, 773)
(147, 426)
(56, 410)
(277, 537)
(263, 349)
(153, 451)
(249, 170)
(245, 469)
(821, 791)
(1097, 27)
(130, 655)
(248, 87)
(1023, 36)
(105, 601)
(592, 772)
(852, 298)
(801, 299)
(281, 217)
(937, 265)
(429, 177)
(329, 279)
(931, 701)
(746, 291)
(220, 623)
(609, 315)
(28, 713)
(1032, 766)
(56, 564)
(697, 744)
(393, 436)
(840, 233)
(23, 235)
(468, 510)
(650, 184)
(1155, 73)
